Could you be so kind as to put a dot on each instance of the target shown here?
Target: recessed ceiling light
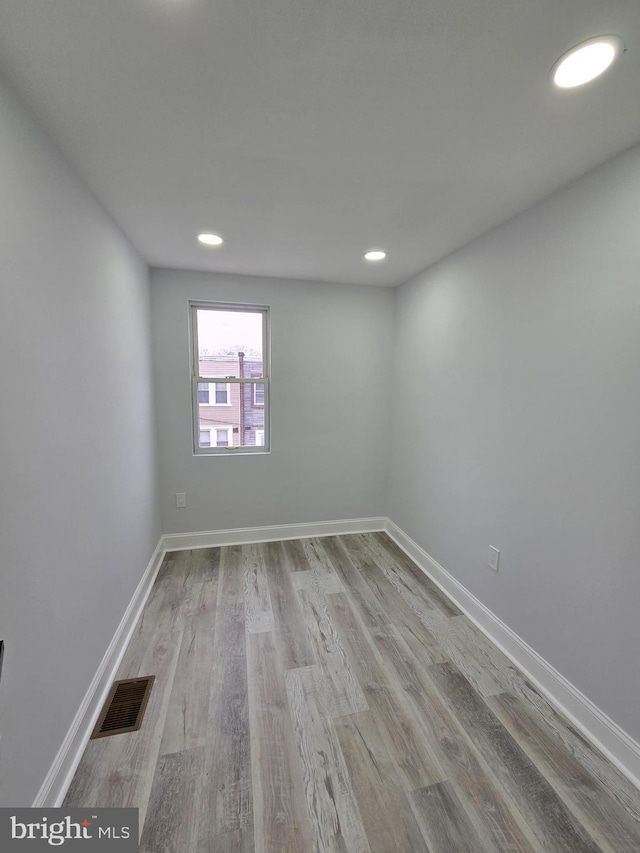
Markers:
(210, 239)
(375, 256)
(586, 61)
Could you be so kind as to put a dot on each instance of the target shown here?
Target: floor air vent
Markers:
(125, 706)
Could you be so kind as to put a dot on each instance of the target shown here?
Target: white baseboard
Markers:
(246, 535)
(606, 735)
(54, 787)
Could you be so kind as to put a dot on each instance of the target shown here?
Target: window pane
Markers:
(243, 420)
(229, 342)
(231, 385)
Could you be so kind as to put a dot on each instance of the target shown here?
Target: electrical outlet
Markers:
(494, 558)
(181, 499)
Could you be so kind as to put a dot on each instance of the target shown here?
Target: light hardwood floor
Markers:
(324, 696)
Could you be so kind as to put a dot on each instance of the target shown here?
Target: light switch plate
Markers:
(494, 558)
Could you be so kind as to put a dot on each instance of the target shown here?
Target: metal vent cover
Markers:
(124, 707)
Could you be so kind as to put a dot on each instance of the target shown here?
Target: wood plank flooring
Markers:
(324, 696)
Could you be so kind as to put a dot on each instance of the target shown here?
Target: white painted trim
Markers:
(58, 779)
(253, 397)
(245, 535)
(606, 735)
(213, 382)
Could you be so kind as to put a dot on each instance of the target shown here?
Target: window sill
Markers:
(221, 452)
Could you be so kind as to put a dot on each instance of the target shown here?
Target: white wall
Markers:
(330, 405)
(519, 414)
(78, 521)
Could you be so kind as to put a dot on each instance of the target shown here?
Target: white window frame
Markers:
(225, 428)
(213, 382)
(204, 429)
(255, 403)
(246, 380)
(213, 433)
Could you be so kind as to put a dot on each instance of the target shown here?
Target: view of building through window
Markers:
(229, 401)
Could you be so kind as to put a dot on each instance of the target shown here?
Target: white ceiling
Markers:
(308, 131)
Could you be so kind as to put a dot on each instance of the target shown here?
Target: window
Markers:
(223, 436)
(214, 394)
(258, 394)
(222, 394)
(220, 436)
(230, 367)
